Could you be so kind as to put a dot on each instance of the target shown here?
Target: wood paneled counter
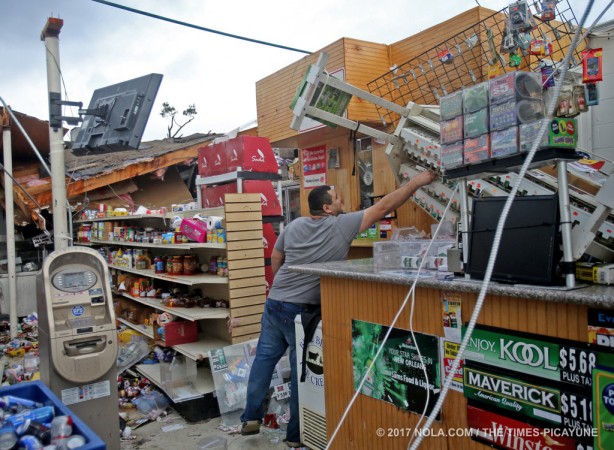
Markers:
(352, 290)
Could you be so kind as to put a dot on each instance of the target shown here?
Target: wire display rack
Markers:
(466, 58)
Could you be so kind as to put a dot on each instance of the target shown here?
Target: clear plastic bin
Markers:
(395, 255)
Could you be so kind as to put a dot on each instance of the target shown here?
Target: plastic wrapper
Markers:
(476, 149)
(475, 123)
(451, 106)
(451, 130)
(475, 97)
(131, 354)
(504, 142)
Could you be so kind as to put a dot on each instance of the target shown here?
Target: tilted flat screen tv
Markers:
(530, 245)
(117, 115)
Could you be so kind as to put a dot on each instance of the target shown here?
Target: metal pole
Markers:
(568, 261)
(10, 228)
(50, 35)
(464, 205)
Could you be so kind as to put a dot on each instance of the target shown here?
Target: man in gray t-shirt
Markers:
(326, 235)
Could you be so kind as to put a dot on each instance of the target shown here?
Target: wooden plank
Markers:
(242, 216)
(235, 255)
(43, 196)
(241, 198)
(240, 302)
(244, 338)
(243, 245)
(247, 310)
(245, 282)
(249, 319)
(242, 207)
(249, 291)
(246, 273)
(243, 235)
(244, 263)
(243, 226)
(247, 329)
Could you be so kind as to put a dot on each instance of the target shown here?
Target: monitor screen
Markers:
(116, 117)
(529, 251)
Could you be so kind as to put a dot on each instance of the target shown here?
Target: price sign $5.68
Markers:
(577, 365)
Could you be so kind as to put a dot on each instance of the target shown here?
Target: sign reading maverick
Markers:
(512, 394)
(398, 375)
(542, 356)
(557, 405)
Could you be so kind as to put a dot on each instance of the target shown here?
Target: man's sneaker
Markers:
(293, 444)
(250, 427)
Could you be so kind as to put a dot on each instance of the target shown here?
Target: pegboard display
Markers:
(522, 36)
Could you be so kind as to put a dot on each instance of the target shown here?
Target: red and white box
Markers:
(270, 202)
(250, 153)
(177, 332)
(212, 160)
(213, 196)
(269, 238)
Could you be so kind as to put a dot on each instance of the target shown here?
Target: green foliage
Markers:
(169, 111)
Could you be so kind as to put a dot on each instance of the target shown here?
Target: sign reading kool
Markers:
(545, 357)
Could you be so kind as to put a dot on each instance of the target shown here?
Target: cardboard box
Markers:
(250, 153)
(212, 160)
(177, 332)
(270, 202)
(194, 229)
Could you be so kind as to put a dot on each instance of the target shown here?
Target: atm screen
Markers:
(73, 280)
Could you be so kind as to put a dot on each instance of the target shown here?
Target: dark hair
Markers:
(317, 198)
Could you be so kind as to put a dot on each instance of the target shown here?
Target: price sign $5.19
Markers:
(577, 365)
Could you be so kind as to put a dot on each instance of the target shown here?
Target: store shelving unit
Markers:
(243, 288)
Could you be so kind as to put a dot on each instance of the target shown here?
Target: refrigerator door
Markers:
(292, 203)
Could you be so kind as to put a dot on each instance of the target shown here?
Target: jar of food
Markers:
(85, 232)
(177, 265)
(158, 264)
(189, 265)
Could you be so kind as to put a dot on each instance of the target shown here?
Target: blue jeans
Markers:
(277, 334)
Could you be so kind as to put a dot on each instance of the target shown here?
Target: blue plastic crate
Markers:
(38, 392)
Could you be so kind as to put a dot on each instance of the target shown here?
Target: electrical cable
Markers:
(394, 321)
(497, 238)
(197, 27)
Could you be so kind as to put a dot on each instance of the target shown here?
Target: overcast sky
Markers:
(101, 45)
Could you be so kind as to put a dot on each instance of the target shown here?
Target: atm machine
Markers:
(78, 338)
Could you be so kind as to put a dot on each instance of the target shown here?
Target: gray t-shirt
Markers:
(305, 241)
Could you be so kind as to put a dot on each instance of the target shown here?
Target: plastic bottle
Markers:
(43, 414)
(213, 265)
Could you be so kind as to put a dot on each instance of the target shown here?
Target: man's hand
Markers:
(424, 178)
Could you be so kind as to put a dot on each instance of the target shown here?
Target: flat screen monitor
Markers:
(530, 245)
(116, 117)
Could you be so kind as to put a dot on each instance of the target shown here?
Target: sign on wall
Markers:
(314, 166)
(398, 375)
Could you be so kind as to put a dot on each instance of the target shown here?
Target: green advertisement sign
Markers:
(512, 394)
(566, 361)
(603, 415)
(397, 376)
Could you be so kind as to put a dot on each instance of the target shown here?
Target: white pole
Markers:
(50, 35)
(10, 228)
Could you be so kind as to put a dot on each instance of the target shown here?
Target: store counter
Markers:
(355, 296)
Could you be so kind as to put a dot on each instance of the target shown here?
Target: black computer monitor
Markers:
(116, 117)
(530, 245)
